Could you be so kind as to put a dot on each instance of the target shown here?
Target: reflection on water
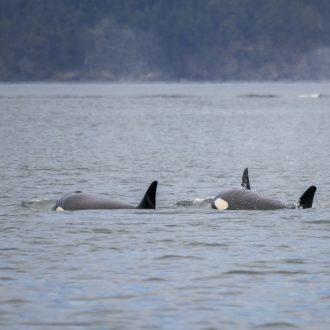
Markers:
(184, 265)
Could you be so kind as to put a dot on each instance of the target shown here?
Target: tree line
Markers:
(164, 40)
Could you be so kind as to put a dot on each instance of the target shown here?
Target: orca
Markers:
(78, 200)
(245, 199)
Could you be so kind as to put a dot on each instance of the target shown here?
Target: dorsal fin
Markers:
(149, 198)
(245, 184)
(306, 199)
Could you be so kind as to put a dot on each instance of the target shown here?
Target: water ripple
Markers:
(177, 257)
(276, 325)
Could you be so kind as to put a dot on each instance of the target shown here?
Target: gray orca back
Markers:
(239, 199)
(245, 199)
(82, 201)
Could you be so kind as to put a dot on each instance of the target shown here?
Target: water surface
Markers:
(185, 265)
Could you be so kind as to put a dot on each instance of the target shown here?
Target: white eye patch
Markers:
(221, 204)
(59, 208)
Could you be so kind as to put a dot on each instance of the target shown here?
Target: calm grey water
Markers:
(185, 265)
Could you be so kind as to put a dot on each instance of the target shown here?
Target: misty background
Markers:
(157, 40)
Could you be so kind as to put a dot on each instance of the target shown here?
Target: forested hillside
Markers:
(164, 39)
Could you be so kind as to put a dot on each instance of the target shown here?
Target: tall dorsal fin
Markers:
(306, 199)
(149, 198)
(245, 184)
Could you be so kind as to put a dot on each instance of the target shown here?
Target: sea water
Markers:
(183, 265)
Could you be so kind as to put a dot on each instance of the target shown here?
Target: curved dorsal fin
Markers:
(306, 199)
(245, 184)
(149, 199)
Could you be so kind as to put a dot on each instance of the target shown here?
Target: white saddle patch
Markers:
(221, 204)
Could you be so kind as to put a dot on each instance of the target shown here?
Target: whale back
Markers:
(245, 199)
(238, 199)
(83, 201)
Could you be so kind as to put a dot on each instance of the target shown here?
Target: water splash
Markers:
(196, 202)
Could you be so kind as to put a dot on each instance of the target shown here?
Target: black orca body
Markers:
(81, 201)
(245, 199)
